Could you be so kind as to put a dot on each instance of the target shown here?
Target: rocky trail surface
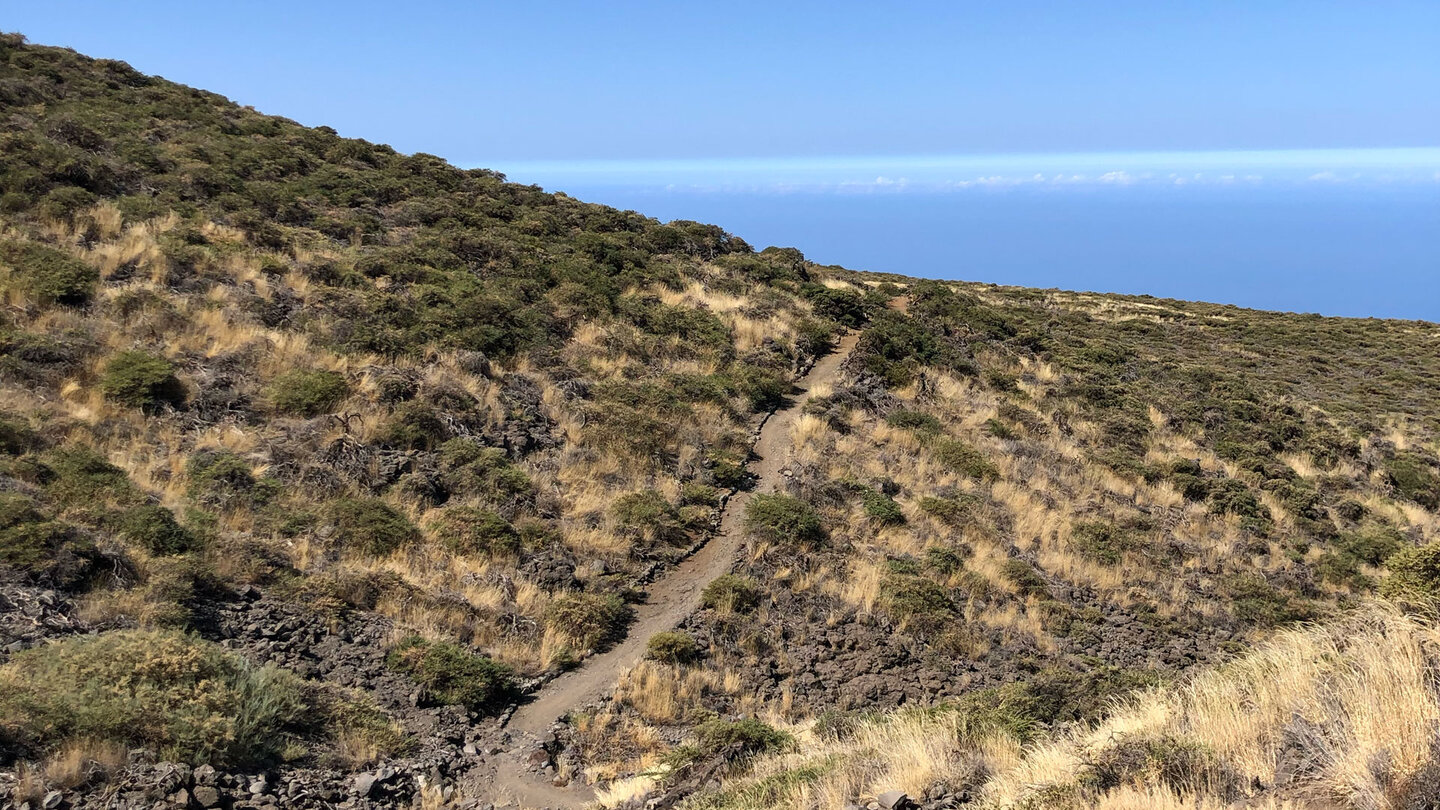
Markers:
(521, 774)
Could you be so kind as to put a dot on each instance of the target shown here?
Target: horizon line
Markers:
(1413, 157)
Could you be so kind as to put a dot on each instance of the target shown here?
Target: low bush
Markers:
(783, 520)
(44, 549)
(1000, 430)
(471, 530)
(694, 493)
(184, 698)
(1024, 577)
(1413, 477)
(453, 675)
(944, 561)
(81, 478)
(223, 480)
(48, 275)
(471, 468)
(764, 389)
(1105, 543)
(731, 593)
(916, 602)
(1414, 573)
(882, 508)
(964, 459)
(1254, 600)
(740, 738)
(307, 392)
(371, 526)
(1373, 544)
(1143, 760)
(154, 528)
(647, 514)
(954, 512)
(672, 647)
(590, 621)
(728, 472)
(141, 380)
(414, 426)
(918, 421)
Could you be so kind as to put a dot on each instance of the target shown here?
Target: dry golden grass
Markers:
(1364, 684)
(663, 694)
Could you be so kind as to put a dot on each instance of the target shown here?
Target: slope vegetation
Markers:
(344, 454)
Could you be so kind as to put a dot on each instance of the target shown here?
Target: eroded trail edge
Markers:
(671, 599)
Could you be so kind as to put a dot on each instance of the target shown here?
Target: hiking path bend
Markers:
(670, 600)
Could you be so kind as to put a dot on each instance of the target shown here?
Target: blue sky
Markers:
(486, 83)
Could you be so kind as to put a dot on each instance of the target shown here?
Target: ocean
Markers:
(1353, 250)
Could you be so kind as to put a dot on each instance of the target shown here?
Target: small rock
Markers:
(52, 800)
(363, 784)
(205, 795)
(469, 750)
(893, 800)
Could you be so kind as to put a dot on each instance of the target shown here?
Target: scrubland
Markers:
(1035, 548)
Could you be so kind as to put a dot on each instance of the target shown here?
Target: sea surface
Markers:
(1354, 250)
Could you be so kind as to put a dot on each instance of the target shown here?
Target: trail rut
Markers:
(669, 601)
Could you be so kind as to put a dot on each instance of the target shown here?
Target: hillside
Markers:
(319, 460)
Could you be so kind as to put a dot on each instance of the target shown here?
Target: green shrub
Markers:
(591, 621)
(916, 602)
(728, 472)
(1254, 600)
(964, 459)
(843, 306)
(648, 514)
(414, 426)
(453, 675)
(48, 275)
(882, 508)
(672, 647)
(371, 526)
(17, 437)
(999, 429)
(943, 560)
(731, 593)
(471, 530)
(956, 511)
(1024, 577)
(764, 389)
(1233, 497)
(1342, 569)
(223, 480)
(1414, 572)
(471, 468)
(43, 548)
(308, 392)
(154, 528)
(1373, 544)
(1105, 543)
(1183, 766)
(741, 738)
(697, 494)
(917, 421)
(1414, 478)
(141, 380)
(185, 698)
(80, 478)
(783, 520)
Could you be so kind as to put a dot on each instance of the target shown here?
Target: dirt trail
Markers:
(670, 601)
